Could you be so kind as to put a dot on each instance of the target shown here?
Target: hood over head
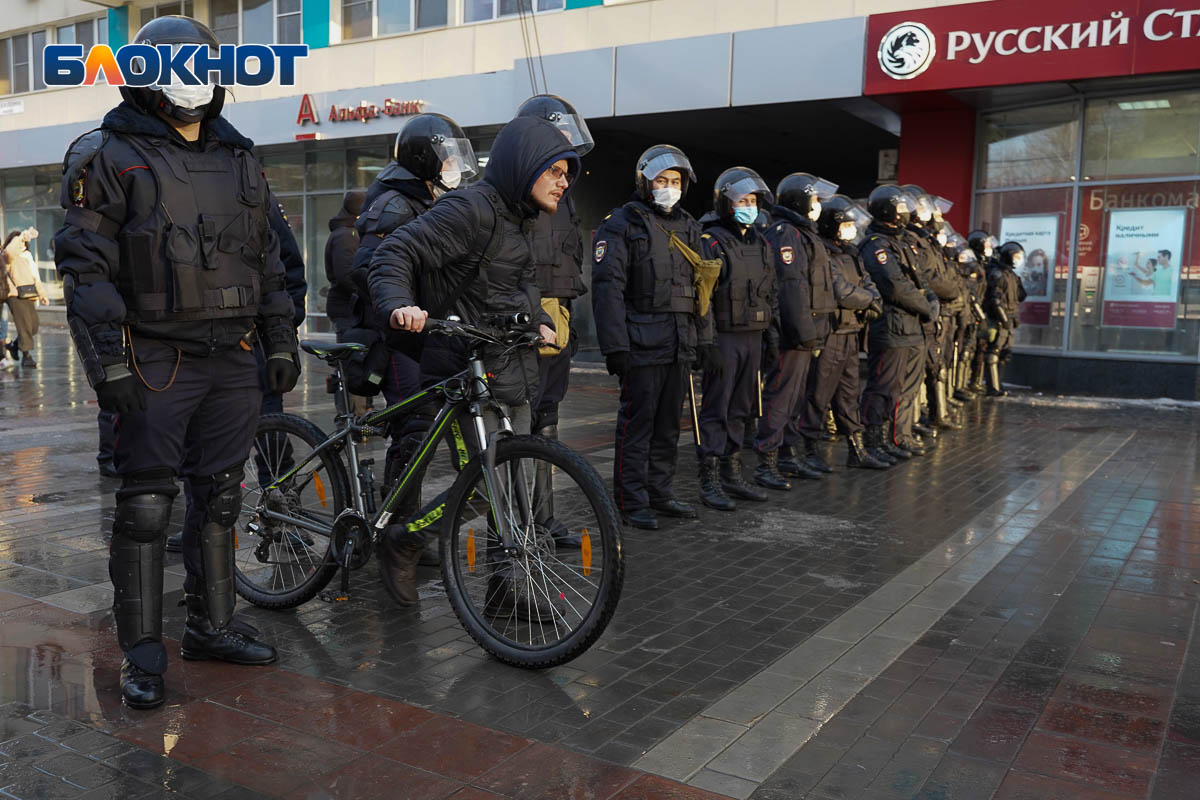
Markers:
(394, 177)
(523, 150)
(352, 206)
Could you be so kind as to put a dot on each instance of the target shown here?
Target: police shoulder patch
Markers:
(79, 188)
(881, 256)
(787, 254)
(601, 249)
(283, 214)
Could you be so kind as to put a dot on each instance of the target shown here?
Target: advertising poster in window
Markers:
(1141, 276)
(1038, 234)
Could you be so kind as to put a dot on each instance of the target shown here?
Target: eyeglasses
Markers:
(558, 173)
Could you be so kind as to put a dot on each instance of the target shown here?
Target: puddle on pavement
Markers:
(49, 497)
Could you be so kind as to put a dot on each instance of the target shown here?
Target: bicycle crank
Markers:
(352, 540)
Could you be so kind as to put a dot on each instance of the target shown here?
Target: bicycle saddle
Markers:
(331, 352)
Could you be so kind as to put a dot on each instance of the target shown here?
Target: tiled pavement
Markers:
(1010, 616)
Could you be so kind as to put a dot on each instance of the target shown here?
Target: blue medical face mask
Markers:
(745, 215)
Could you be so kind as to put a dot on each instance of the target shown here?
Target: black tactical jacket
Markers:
(852, 286)
(890, 262)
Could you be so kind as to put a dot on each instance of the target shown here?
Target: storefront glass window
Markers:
(1029, 146)
(285, 171)
(431, 13)
(323, 170)
(257, 23)
(1137, 286)
(1142, 136)
(287, 21)
(320, 209)
(1040, 220)
(363, 165)
(5, 71)
(20, 63)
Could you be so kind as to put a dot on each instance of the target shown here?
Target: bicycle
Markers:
(522, 599)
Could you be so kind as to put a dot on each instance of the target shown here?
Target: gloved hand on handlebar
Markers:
(409, 318)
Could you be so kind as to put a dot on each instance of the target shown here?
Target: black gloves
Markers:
(935, 307)
(711, 360)
(617, 363)
(873, 311)
(120, 393)
(282, 372)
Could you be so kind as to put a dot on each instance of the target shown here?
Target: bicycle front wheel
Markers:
(281, 564)
(550, 597)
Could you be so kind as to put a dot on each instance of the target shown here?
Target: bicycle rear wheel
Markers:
(542, 604)
(283, 564)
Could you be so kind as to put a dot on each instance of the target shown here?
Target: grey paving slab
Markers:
(721, 783)
(761, 750)
(686, 751)
(809, 658)
(891, 596)
(824, 695)
(83, 600)
(872, 655)
(854, 624)
(755, 697)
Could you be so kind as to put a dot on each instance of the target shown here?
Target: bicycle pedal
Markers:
(332, 597)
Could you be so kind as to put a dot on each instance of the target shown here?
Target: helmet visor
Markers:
(923, 207)
(823, 189)
(942, 205)
(456, 155)
(743, 186)
(575, 129)
(665, 161)
(859, 217)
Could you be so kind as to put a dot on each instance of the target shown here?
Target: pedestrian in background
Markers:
(25, 291)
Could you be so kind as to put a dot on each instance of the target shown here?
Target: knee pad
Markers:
(144, 505)
(545, 418)
(993, 358)
(225, 500)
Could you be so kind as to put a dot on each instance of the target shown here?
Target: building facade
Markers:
(1070, 125)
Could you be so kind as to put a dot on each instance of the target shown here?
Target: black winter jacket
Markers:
(106, 188)
(852, 286)
(340, 248)
(1004, 291)
(475, 243)
(890, 263)
(800, 326)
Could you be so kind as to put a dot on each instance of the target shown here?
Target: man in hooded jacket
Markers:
(470, 255)
(340, 248)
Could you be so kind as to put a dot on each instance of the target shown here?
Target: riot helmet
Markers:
(982, 243)
(941, 206)
(891, 205)
(842, 220)
(653, 163)
(434, 148)
(732, 185)
(803, 193)
(924, 209)
(563, 116)
(1011, 255)
(177, 100)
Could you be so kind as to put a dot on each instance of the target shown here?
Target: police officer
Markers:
(470, 255)
(1004, 295)
(806, 301)
(742, 308)
(834, 380)
(650, 329)
(340, 248)
(895, 361)
(431, 156)
(945, 284)
(558, 261)
(958, 252)
(983, 245)
(170, 269)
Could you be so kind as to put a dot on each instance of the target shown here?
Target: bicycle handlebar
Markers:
(512, 338)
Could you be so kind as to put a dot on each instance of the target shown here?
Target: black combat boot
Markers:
(914, 445)
(860, 456)
(204, 641)
(873, 437)
(711, 493)
(398, 558)
(141, 689)
(767, 472)
(793, 467)
(734, 483)
(889, 444)
(812, 457)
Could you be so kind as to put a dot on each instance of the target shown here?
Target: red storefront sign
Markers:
(360, 113)
(1019, 41)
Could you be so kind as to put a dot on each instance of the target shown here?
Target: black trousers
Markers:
(893, 379)
(648, 435)
(732, 397)
(201, 423)
(106, 421)
(554, 374)
(833, 380)
(783, 399)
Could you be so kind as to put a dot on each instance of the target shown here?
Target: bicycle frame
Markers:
(463, 394)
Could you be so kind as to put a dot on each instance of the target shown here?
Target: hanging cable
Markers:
(537, 39)
(527, 44)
